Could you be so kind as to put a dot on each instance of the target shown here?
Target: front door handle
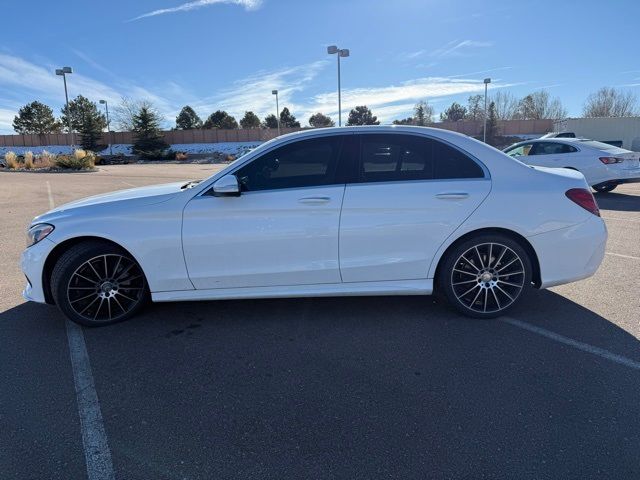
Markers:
(452, 196)
(314, 200)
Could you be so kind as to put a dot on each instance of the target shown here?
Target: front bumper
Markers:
(571, 253)
(32, 263)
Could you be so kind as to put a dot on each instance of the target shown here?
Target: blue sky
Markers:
(230, 54)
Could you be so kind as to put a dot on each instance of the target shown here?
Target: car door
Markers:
(281, 230)
(409, 194)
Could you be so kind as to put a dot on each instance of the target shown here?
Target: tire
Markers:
(604, 187)
(96, 283)
(485, 276)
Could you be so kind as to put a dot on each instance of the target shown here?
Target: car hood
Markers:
(141, 196)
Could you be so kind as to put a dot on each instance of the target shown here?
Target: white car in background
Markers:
(604, 166)
(386, 210)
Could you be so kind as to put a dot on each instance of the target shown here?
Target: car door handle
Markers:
(452, 196)
(314, 200)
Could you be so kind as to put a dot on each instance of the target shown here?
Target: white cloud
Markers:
(459, 48)
(185, 7)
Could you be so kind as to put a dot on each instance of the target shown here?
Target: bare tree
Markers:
(539, 105)
(123, 114)
(475, 108)
(609, 102)
(506, 105)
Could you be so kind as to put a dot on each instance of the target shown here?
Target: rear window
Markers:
(602, 146)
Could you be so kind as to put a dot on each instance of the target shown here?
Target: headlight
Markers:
(38, 232)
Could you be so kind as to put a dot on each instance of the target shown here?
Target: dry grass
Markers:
(79, 153)
(12, 160)
(45, 160)
(181, 156)
(28, 160)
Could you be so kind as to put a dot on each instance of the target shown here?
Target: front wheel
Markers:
(96, 283)
(485, 276)
(604, 187)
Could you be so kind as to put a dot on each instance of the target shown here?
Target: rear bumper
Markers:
(571, 253)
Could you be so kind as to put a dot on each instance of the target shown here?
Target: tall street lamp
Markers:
(63, 73)
(106, 107)
(342, 52)
(487, 81)
(275, 92)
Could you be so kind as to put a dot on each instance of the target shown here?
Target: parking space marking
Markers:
(94, 438)
(585, 347)
(129, 184)
(51, 204)
(622, 255)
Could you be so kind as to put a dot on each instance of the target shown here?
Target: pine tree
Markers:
(287, 120)
(221, 120)
(320, 120)
(148, 139)
(492, 124)
(188, 119)
(90, 133)
(423, 114)
(270, 121)
(36, 117)
(454, 113)
(405, 121)
(250, 120)
(81, 110)
(361, 115)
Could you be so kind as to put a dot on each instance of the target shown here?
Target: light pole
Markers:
(106, 107)
(487, 81)
(275, 92)
(63, 73)
(342, 52)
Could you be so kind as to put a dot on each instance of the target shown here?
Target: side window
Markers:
(394, 157)
(552, 148)
(304, 163)
(452, 163)
(519, 151)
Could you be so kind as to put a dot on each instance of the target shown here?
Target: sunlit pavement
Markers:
(372, 387)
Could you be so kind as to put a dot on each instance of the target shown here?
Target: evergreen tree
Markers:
(188, 119)
(148, 139)
(250, 120)
(361, 115)
(270, 121)
(81, 110)
(492, 124)
(405, 121)
(320, 120)
(454, 113)
(221, 120)
(36, 117)
(90, 133)
(422, 114)
(287, 120)
(475, 108)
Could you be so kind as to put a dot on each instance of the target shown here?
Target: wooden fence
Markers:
(174, 137)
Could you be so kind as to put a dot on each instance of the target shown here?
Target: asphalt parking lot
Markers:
(373, 387)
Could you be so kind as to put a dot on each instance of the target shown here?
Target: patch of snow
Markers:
(226, 148)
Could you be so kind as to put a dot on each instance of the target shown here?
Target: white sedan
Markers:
(604, 166)
(388, 210)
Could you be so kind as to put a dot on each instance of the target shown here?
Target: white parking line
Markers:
(51, 204)
(585, 347)
(94, 438)
(622, 255)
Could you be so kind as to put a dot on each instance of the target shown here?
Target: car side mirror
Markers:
(226, 186)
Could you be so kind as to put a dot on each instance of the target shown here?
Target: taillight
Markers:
(584, 198)
(610, 160)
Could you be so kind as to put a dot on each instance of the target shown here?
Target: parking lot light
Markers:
(275, 92)
(106, 107)
(341, 52)
(63, 72)
(487, 81)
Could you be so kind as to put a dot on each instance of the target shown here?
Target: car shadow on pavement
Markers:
(360, 387)
(618, 201)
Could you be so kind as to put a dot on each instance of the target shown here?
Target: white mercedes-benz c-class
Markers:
(386, 210)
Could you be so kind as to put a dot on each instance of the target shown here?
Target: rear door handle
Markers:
(452, 196)
(314, 200)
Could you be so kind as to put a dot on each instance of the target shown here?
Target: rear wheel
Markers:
(97, 283)
(485, 276)
(604, 187)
